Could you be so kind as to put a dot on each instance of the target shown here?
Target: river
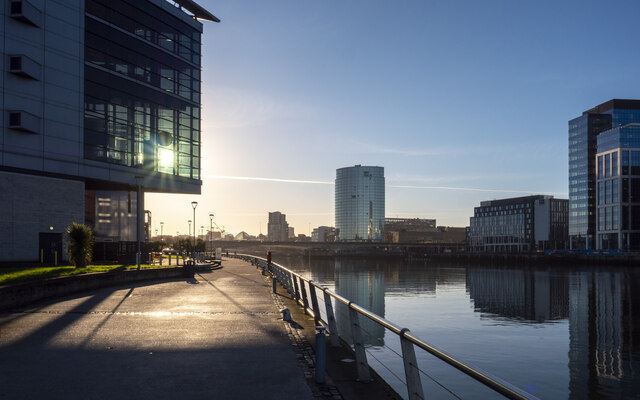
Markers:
(558, 333)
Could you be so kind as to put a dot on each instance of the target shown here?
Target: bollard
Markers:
(55, 258)
(169, 258)
(286, 315)
(273, 281)
(321, 355)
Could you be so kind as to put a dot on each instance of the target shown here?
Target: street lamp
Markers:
(189, 233)
(194, 204)
(211, 233)
(161, 226)
(139, 216)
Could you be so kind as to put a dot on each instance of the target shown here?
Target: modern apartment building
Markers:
(583, 139)
(519, 225)
(359, 203)
(101, 101)
(277, 227)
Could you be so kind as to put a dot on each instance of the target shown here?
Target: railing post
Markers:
(358, 346)
(314, 303)
(411, 371)
(305, 299)
(331, 320)
(296, 289)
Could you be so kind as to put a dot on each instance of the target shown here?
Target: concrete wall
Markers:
(31, 292)
(542, 220)
(56, 97)
(31, 204)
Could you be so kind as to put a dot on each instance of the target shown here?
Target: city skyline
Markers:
(459, 102)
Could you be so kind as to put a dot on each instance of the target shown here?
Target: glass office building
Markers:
(359, 203)
(583, 139)
(100, 98)
(142, 88)
(618, 188)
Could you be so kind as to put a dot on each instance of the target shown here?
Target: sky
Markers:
(459, 101)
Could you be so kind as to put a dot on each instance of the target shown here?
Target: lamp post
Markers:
(139, 217)
(189, 233)
(211, 233)
(161, 226)
(194, 204)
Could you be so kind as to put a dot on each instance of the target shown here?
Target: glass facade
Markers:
(618, 210)
(142, 88)
(582, 149)
(359, 203)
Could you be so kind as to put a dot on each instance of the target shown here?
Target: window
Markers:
(600, 167)
(614, 163)
(600, 193)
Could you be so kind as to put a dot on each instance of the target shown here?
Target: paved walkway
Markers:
(218, 336)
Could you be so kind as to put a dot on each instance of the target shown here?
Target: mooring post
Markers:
(321, 355)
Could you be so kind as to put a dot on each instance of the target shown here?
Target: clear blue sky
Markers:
(447, 96)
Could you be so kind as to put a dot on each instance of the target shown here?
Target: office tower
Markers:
(100, 98)
(277, 227)
(359, 203)
(583, 134)
(618, 188)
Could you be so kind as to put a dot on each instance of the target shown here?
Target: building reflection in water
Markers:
(519, 294)
(364, 284)
(604, 317)
(602, 308)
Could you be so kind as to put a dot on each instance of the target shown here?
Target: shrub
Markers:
(81, 240)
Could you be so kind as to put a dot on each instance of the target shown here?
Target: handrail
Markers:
(506, 389)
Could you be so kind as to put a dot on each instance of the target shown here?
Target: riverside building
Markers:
(359, 203)
(584, 134)
(519, 225)
(618, 188)
(277, 227)
(101, 101)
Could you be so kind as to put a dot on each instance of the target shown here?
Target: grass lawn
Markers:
(23, 274)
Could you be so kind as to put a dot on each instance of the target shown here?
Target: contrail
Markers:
(253, 178)
(473, 189)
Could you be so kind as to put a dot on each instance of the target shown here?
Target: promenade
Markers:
(218, 336)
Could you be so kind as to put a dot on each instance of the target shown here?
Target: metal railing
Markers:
(297, 285)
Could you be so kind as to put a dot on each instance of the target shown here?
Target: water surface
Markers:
(558, 333)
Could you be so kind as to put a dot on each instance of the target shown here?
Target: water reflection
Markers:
(604, 320)
(535, 296)
(574, 332)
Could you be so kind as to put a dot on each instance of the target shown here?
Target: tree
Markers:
(157, 245)
(183, 245)
(200, 246)
(81, 240)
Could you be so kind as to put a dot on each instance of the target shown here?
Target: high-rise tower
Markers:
(359, 202)
(583, 138)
